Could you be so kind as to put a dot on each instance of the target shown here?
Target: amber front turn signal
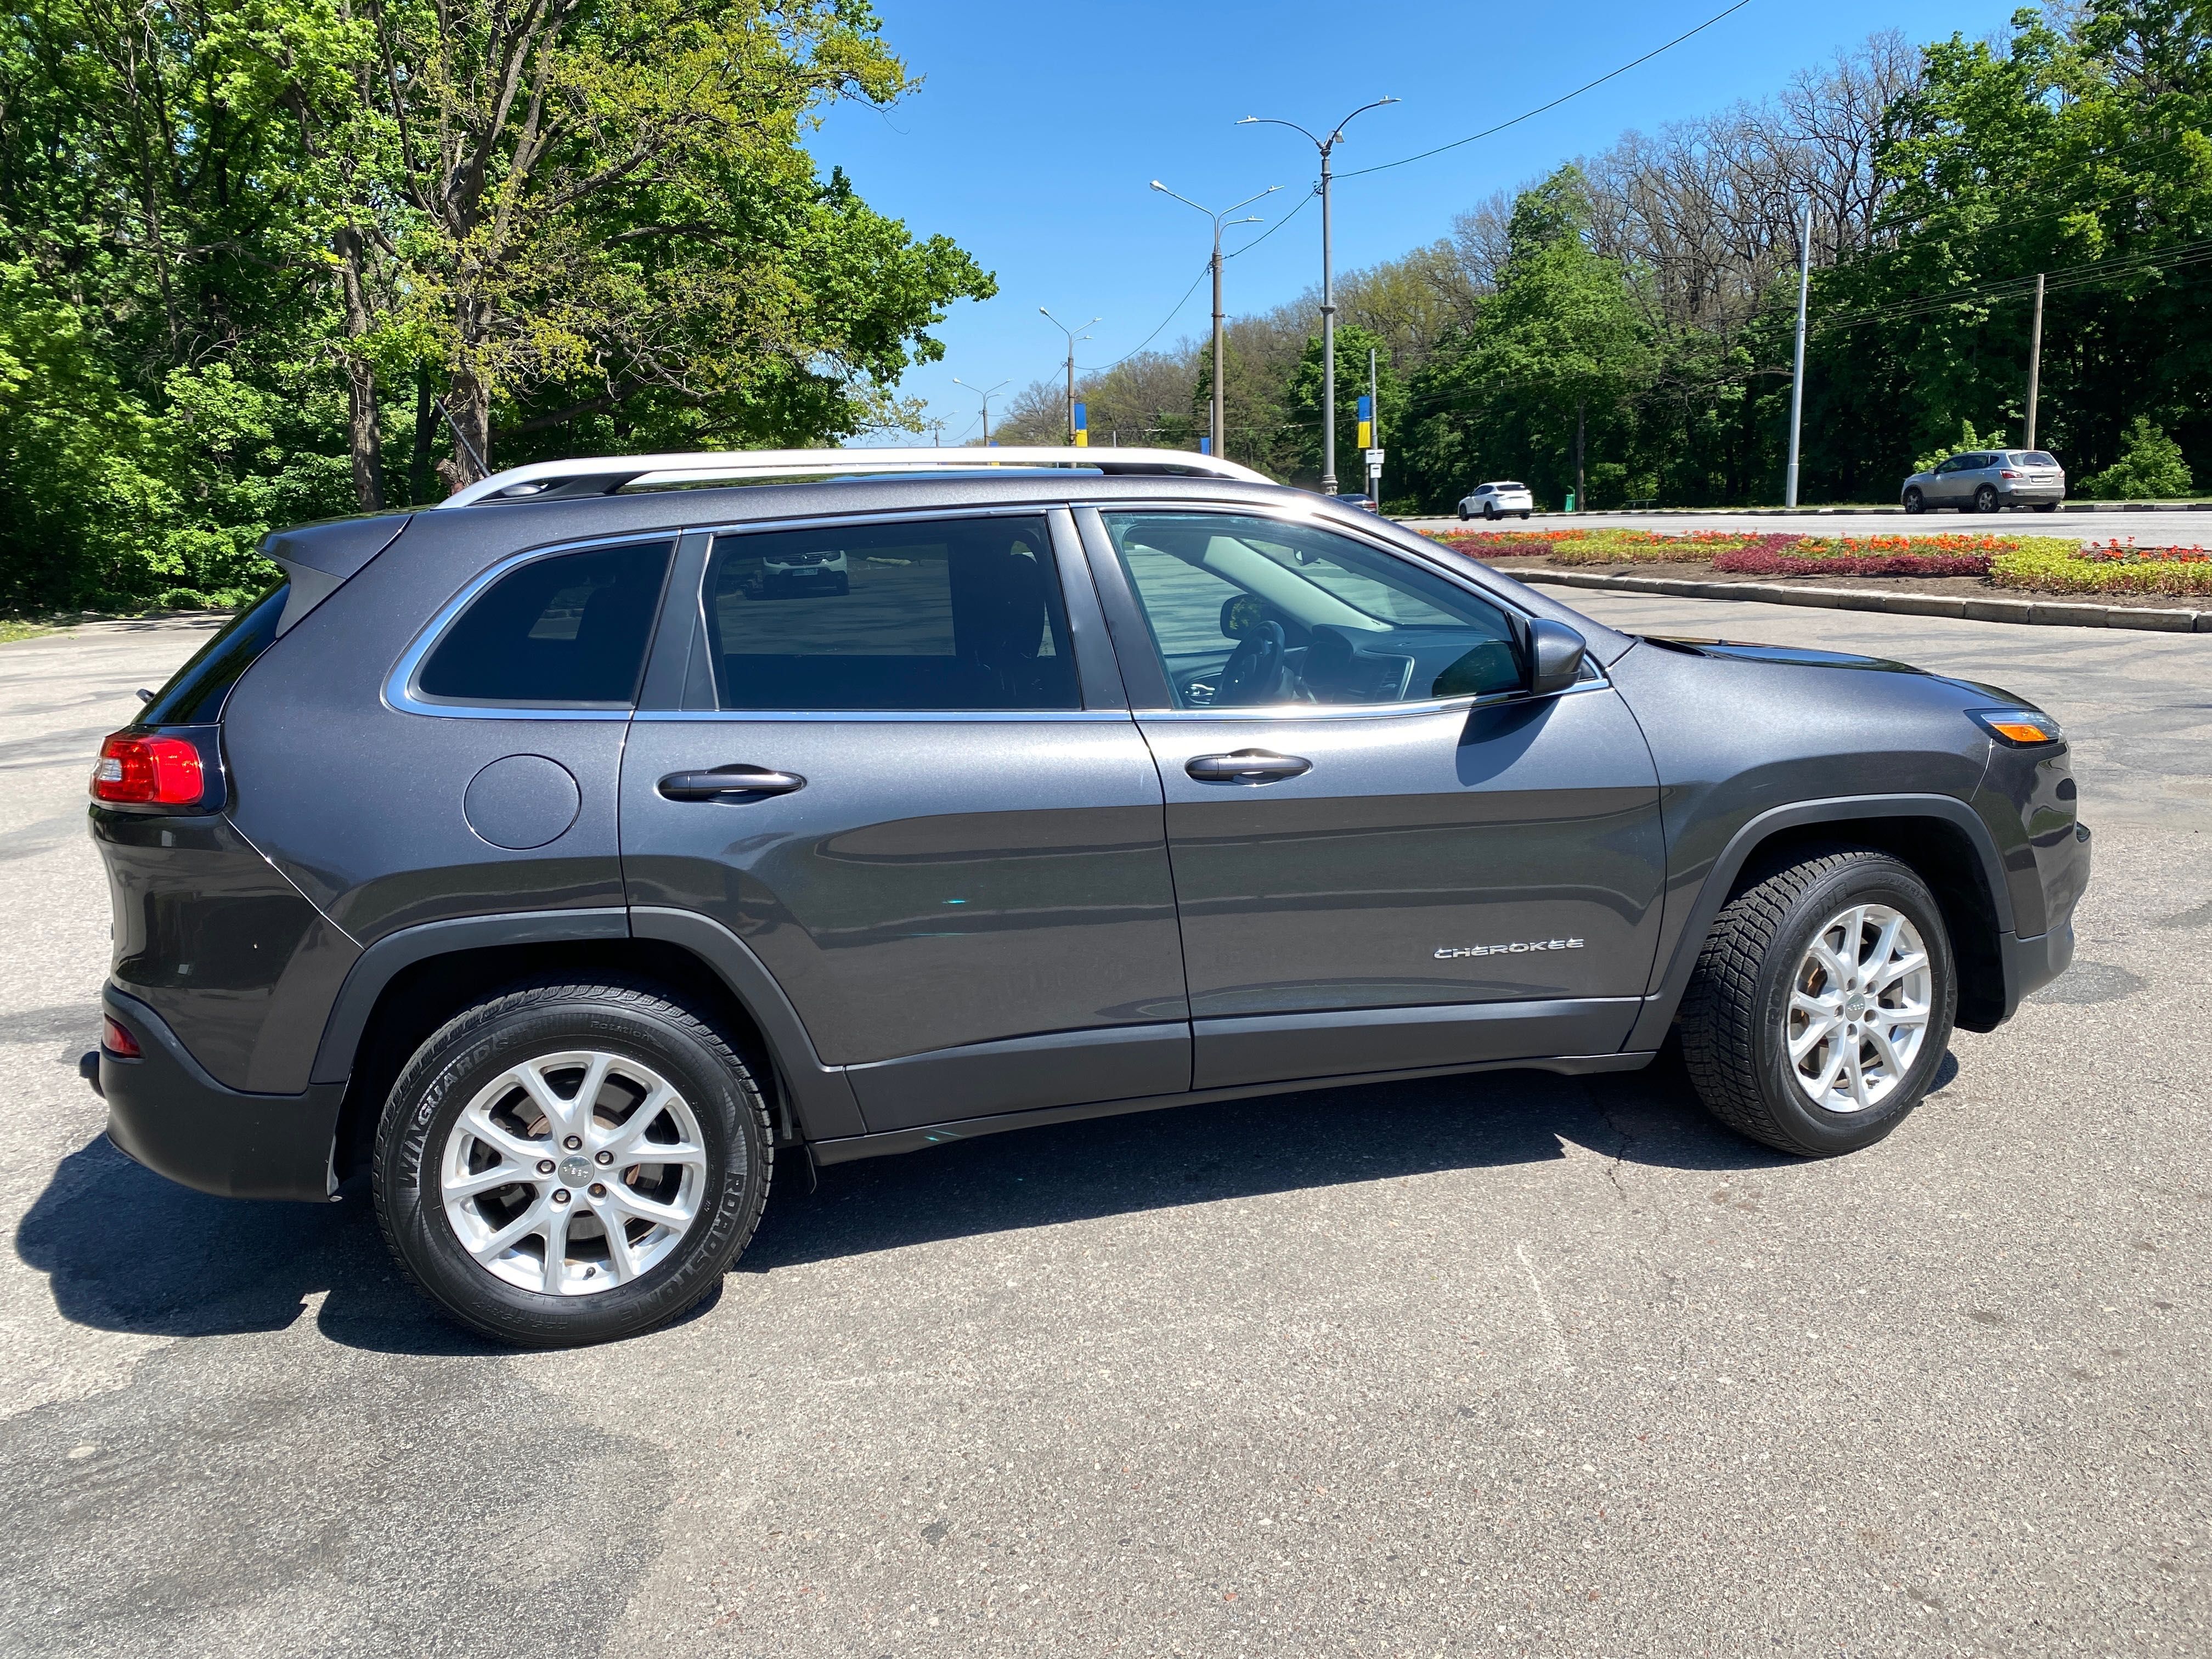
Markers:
(2022, 728)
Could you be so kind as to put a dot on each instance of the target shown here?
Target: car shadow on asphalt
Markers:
(125, 1250)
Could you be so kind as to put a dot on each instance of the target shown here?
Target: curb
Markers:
(2049, 613)
(1810, 512)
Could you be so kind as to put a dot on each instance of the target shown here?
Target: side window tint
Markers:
(1249, 612)
(945, 614)
(197, 692)
(569, 631)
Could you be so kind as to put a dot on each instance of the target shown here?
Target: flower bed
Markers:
(2116, 567)
(1779, 553)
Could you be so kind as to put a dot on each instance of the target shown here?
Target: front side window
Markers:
(1249, 612)
(947, 614)
(567, 631)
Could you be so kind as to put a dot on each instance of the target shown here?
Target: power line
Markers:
(1563, 97)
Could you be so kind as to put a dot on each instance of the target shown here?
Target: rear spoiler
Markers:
(318, 559)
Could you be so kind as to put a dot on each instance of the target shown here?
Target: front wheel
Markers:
(1915, 501)
(1821, 1004)
(1464, 515)
(571, 1164)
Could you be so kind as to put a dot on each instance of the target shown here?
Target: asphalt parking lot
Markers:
(1507, 1365)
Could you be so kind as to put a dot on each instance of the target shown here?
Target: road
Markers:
(1513, 1365)
(2189, 529)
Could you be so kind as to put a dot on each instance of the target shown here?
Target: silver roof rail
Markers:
(605, 475)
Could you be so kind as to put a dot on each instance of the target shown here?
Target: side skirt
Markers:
(846, 1149)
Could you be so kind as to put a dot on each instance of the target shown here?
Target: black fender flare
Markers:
(1666, 996)
(822, 1100)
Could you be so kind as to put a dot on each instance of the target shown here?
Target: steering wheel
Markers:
(1253, 672)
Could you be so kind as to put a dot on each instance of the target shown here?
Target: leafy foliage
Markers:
(2150, 467)
(261, 259)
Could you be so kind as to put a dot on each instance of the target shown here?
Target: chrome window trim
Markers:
(401, 695)
(1370, 711)
(884, 716)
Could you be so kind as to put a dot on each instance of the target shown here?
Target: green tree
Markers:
(1541, 383)
(1303, 401)
(2150, 468)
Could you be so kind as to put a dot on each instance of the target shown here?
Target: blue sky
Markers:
(1038, 126)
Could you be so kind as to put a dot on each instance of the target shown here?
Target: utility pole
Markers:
(1217, 402)
(1798, 375)
(1327, 148)
(985, 396)
(1071, 337)
(1581, 409)
(2035, 360)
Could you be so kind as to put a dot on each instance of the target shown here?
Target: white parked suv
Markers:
(1495, 501)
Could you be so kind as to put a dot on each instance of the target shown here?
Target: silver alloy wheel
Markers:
(1859, 1005)
(574, 1172)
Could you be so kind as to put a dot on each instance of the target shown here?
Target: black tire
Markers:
(1524, 516)
(1489, 510)
(2047, 507)
(1985, 499)
(844, 584)
(1735, 1042)
(1915, 501)
(468, 1054)
(1464, 515)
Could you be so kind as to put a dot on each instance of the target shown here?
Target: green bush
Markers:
(2150, 468)
(1968, 439)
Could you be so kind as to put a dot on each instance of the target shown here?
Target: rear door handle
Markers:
(1246, 766)
(725, 782)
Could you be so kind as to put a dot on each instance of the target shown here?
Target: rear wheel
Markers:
(1490, 510)
(571, 1164)
(1821, 1004)
(2047, 507)
(1985, 499)
(1524, 516)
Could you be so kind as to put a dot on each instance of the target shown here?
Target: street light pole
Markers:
(1217, 402)
(1798, 375)
(1328, 147)
(985, 396)
(1071, 337)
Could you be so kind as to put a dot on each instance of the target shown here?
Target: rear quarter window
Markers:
(197, 692)
(566, 631)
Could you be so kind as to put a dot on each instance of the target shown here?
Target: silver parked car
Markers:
(1986, 480)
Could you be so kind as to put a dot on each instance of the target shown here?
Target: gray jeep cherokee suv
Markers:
(534, 856)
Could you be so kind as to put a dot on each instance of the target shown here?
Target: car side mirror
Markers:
(1555, 657)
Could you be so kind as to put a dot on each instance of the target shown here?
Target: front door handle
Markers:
(1246, 766)
(725, 782)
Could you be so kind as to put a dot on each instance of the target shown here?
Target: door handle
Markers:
(1246, 766)
(725, 781)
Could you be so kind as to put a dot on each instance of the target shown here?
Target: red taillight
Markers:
(117, 1041)
(2009, 474)
(144, 771)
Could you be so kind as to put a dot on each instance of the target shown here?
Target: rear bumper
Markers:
(166, 1112)
(2027, 494)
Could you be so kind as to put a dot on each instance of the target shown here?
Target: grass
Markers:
(12, 630)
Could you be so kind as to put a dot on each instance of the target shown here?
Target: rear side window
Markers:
(945, 614)
(196, 694)
(569, 631)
